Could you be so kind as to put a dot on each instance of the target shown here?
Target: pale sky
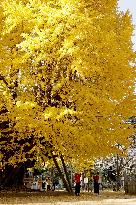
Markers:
(131, 6)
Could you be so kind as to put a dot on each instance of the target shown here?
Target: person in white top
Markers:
(86, 183)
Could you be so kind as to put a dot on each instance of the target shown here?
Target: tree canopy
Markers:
(66, 78)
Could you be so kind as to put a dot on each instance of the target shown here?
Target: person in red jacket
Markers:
(77, 186)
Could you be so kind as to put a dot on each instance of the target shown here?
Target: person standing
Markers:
(48, 182)
(77, 186)
(44, 185)
(86, 183)
(54, 185)
(100, 182)
(96, 183)
(91, 184)
(40, 183)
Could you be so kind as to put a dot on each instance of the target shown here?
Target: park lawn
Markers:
(57, 196)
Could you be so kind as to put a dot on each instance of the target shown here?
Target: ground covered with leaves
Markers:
(62, 197)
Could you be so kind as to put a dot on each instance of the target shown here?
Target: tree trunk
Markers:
(118, 174)
(66, 173)
(12, 177)
(61, 174)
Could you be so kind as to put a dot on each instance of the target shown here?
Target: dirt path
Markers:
(102, 202)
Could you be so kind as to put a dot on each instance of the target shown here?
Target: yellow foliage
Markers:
(66, 76)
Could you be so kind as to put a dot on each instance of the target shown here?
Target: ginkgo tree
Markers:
(66, 79)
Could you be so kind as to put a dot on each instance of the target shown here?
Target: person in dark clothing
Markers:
(96, 183)
(55, 182)
(54, 185)
(48, 182)
(77, 189)
(77, 186)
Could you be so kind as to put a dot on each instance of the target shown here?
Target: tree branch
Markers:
(4, 81)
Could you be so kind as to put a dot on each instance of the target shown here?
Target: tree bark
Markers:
(12, 177)
(118, 174)
(66, 173)
(61, 174)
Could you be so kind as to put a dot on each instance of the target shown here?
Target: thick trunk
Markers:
(66, 173)
(61, 174)
(12, 177)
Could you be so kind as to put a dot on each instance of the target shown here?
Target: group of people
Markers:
(95, 180)
(39, 184)
(51, 184)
